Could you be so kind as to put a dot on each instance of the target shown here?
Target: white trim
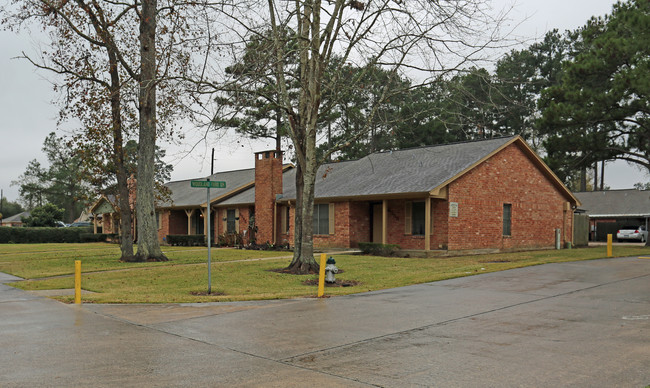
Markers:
(617, 215)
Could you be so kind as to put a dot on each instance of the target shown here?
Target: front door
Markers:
(377, 222)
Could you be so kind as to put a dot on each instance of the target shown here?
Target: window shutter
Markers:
(237, 220)
(331, 219)
(408, 217)
(224, 213)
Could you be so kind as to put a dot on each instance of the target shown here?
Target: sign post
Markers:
(208, 184)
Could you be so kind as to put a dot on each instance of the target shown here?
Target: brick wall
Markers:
(177, 222)
(171, 222)
(163, 225)
(359, 223)
(396, 233)
(242, 224)
(538, 208)
(341, 236)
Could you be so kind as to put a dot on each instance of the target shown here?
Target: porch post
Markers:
(189, 213)
(427, 224)
(95, 224)
(205, 221)
(384, 221)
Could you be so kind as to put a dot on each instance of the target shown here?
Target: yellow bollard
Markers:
(609, 245)
(77, 282)
(321, 276)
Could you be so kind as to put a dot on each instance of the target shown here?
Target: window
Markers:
(322, 218)
(507, 219)
(417, 217)
(158, 220)
(230, 221)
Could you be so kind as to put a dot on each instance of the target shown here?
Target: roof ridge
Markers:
(209, 175)
(443, 144)
(604, 191)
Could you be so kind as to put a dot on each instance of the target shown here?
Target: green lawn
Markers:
(44, 260)
(184, 278)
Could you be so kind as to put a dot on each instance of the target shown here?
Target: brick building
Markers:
(489, 194)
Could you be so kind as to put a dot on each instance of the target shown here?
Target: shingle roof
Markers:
(410, 171)
(16, 217)
(185, 196)
(415, 170)
(615, 203)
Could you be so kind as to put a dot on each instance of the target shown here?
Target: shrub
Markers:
(45, 215)
(41, 235)
(230, 240)
(186, 240)
(378, 249)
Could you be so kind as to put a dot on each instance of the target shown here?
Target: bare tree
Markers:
(416, 39)
(94, 49)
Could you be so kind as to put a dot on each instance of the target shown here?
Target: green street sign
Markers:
(210, 184)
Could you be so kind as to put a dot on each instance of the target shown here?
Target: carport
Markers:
(611, 210)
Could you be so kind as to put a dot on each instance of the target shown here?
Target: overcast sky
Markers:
(27, 116)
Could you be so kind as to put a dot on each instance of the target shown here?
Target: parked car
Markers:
(60, 224)
(638, 233)
(81, 224)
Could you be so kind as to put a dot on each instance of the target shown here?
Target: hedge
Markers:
(17, 235)
(378, 249)
(186, 240)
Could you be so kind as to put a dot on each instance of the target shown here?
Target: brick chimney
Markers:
(268, 183)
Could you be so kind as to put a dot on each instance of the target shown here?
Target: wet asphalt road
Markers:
(581, 324)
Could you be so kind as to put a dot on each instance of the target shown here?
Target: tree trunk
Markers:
(583, 179)
(126, 216)
(602, 176)
(278, 125)
(297, 224)
(148, 245)
(303, 256)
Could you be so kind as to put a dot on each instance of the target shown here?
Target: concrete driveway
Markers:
(571, 324)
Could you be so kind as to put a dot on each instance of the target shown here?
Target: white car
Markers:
(638, 233)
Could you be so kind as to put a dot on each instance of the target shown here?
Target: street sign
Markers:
(211, 184)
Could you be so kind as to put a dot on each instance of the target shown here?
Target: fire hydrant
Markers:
(330, 270)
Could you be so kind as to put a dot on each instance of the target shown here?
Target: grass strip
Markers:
(184, 279)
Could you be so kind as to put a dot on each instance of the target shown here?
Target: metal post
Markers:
(557, 238)
(208, 232)
(609, 245)
(321, 276)
(77, 282)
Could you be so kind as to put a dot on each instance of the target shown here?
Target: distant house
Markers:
(492, 194)
(15, 220)
(103, 215)
(611, 210)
